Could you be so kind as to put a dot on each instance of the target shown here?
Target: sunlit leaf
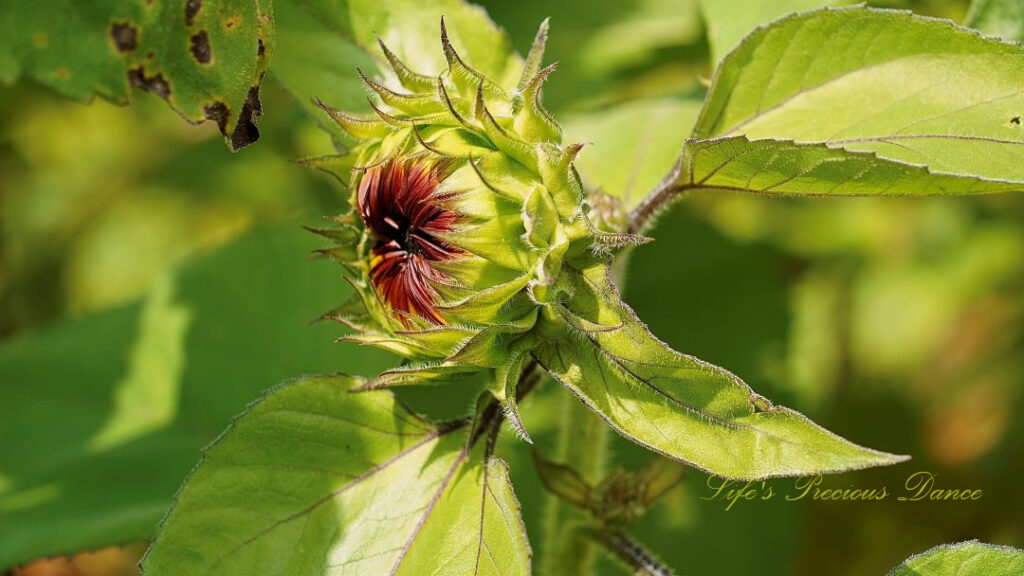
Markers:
(728, 21)
(971, 558)
(682, 407)
(205, 58)
(411, 29)
(862, 101)
(101, 418)
(315, 479)
(323, 42)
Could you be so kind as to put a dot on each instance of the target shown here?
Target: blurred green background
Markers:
(136, 248)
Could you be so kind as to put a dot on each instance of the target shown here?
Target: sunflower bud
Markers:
(466, 212)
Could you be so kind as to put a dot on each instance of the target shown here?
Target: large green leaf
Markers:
(908, 88)
(632, 145)
(102, 417)
(315, 479)
(1001, 18)
(971, 558)
(682, 407)
(205, 58)
(728, 21)
(859, 101)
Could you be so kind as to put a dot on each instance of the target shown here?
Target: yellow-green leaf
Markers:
(315, 479)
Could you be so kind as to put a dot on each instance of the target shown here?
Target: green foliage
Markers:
(320, 44)
(780, 167)
(964, 559)
(805, 106)
(1000, 18)
(315, 479)
(314, 59)
(682, 407)
(729, 21)
(861, 101)
(107, 433)
(206, 59)
(631, 146)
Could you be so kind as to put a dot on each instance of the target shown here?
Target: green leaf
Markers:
(681, 407)
(1000, 18)
(650, 25)
(315, 59)
(970, 558)
(205, 58)
(728, 21)
(826, 90)
(633, 145)
(780, 167)
(411, 29)
(322, 43)
(314, 479)
(101, 418)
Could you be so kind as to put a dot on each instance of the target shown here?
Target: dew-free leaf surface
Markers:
(683, 407)
(101, 418)
(204, 57)
(315, 479)
(971, 558)
(862, 101)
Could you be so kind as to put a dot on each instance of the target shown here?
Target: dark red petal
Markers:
(399, 204)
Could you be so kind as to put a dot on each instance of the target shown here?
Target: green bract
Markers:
(466, 185)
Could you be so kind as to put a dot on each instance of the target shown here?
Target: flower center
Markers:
(398, 203)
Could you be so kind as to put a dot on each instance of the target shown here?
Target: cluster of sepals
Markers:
(525, 229)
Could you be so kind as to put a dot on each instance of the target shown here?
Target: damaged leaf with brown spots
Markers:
(206, 58)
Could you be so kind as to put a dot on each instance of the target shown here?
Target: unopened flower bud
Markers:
(466, 212)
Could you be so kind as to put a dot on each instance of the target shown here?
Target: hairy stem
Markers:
(663, 194)
(630, 553)
(582, 445)
(640, 217)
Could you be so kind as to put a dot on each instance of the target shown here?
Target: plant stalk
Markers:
(583, 446)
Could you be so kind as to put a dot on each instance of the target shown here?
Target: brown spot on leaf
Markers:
(201, 50)
(232, 22)
(156, 83)
(1015, 120)
(261, 49)
(246, 130)
(62, 73)
(40, 40)
(192, 8)
(125, 36)
(218, 112)
(150, 55)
